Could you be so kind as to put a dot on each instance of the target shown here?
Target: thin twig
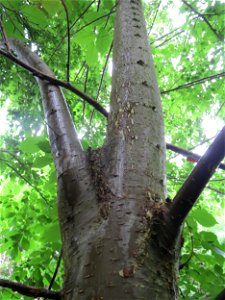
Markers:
(27, 181)
(85, 89)
(207, 187)
(221, 106)
(68, 41)
(181, 266)
(101, 80)
(170, 38)
(95, 20)
(56, 271)
(13, 155)
(220, 37)
(192, 83)
(98, 5)
(165, 35)
(79, 71)
(195, 146)
(71, 27)
(155, 16)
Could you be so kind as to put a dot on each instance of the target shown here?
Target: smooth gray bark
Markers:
(111, 200)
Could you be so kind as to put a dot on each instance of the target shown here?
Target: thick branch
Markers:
(29, 291)
(56, 82)
(196, 181)
(61, 130)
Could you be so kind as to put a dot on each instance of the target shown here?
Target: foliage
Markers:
(183, 53)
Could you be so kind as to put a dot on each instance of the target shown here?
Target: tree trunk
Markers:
(118, 242)
(110, 243)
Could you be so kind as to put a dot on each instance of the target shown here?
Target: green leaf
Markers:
(29, 145)
(43, 161)
(44, 146)
(36, 16)
(25, 243)
(92, 55)
(51, 233)
(203, 217)
(103, 42)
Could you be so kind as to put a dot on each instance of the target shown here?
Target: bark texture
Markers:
(112, 201)
(117, 255)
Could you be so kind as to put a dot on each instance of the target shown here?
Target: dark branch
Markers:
(29, 291)
(85, 89)
(207, 187)
(112, 11)
(155, 16)
(220, 37)
(189, 84)
(101, 79)
(98, 5)
(81, 15)
(85, 97)
(221, 295)
(170, 38)
(181, 266)
(190, 155)
(56, 82)
(56, 271)
(196, 181)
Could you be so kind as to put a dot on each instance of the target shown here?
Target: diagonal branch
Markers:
(56, 270)
(155, 16)
(101, 79)
(190, 155)
(29, 291)
(196, 181)
(207, 187)
(27, 181)
(85, 97)
(204, 19)
(56, 82)
(74, 23)
(194, 82)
